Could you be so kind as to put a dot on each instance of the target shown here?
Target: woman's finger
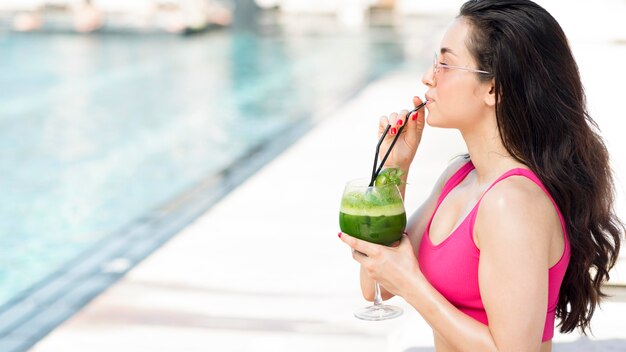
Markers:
(400, 121)
(367, 248)
(382, 125)
(393, 117)
(359, 257)
(416, 121)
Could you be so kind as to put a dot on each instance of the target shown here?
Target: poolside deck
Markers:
(264, 271)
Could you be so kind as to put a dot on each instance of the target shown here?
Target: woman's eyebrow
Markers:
(445, 50)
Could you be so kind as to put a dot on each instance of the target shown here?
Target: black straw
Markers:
(376, 171)
(380, 141)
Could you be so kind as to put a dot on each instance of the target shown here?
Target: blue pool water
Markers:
(96, 131)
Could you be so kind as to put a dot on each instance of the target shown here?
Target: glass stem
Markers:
(378, 300)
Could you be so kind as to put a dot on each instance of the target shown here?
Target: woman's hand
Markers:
(393, 267)
(405, 148)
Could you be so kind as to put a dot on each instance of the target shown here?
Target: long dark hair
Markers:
(543, 122)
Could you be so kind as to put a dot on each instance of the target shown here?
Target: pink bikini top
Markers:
(452, 266)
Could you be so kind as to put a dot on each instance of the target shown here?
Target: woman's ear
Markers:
(490, 97)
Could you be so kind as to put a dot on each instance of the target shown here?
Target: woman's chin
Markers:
(432, 121)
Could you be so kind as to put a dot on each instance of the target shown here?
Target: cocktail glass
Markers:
(375, 214)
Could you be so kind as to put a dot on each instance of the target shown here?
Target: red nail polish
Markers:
(339, 234)
(414, 116)
(399, 122)
(393, 131)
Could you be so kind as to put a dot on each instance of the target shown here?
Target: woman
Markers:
(523, 228)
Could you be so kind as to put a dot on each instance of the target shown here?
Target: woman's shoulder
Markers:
(517, 206)
(519, 189)
(453, 167)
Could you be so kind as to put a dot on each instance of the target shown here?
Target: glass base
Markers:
(378, 312)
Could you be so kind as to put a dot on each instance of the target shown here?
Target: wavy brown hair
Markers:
(543, 122)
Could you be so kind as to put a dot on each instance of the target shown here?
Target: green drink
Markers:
(373, 214)
(372, 218)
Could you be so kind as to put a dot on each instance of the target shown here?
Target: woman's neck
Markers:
(488, 154)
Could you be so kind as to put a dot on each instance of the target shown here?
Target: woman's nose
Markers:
(429, 78)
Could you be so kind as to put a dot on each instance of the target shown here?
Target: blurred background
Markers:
(122, 122)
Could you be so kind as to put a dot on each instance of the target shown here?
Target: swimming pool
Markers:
(97, 131)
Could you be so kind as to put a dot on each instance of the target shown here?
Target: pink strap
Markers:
(454, 180)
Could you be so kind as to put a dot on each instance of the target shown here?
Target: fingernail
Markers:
(399, 122)
(393, 131)
(339, 235)
(414, 116)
